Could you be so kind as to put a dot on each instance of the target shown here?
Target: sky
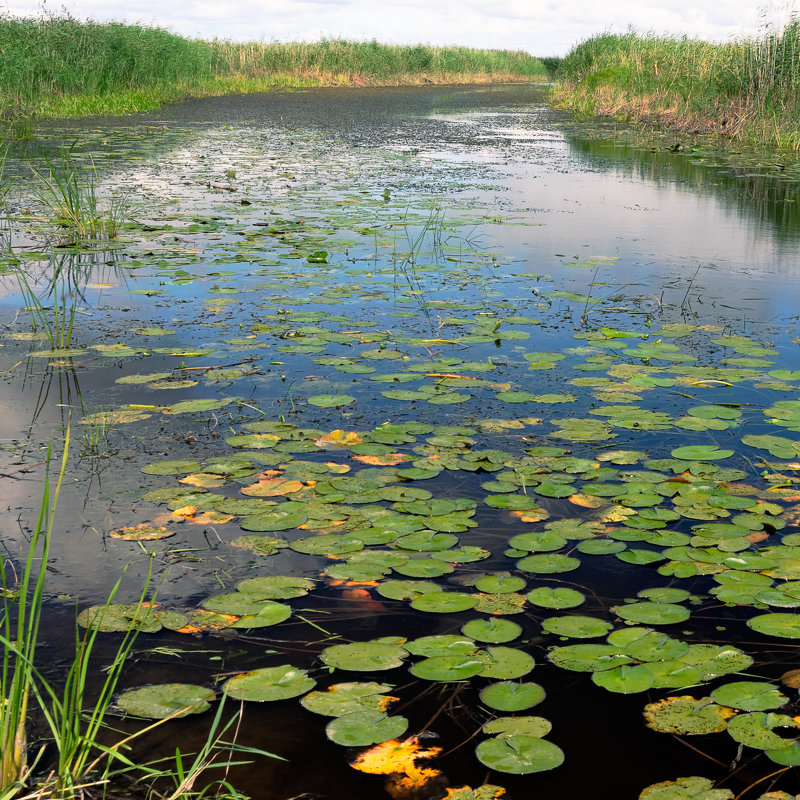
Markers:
(541, 27)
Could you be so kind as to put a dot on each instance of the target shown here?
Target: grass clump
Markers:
(747, 89)
(59, 66)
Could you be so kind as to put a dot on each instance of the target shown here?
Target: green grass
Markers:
(58, 66)
(748, 89)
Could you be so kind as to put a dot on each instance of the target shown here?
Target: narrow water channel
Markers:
(500, 417)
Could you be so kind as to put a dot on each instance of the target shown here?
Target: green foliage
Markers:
(747, 87)
(59, 66)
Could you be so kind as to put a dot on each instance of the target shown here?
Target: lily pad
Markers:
(166, 699)
(363, 728)
(756, 729)
(700, 452)
(692, 788)
(269, 684)
(492, 630)
(512, 696)
(505, 663)
(648, 613)
(364, 656)
(519, 754)
(331, 400)
(548, 563)
(782, 625)
(625, 679)
(531, 726)
(749, 696)
(447, 668)
(556, 597)
(576, 627)
(347, 698)
(588, 657)
(444, 602)
(687, 716)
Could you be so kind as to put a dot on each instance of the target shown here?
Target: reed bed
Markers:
(59, 66)
(747, 89)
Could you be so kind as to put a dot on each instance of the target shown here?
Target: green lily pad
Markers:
(347, 698)
(331, 400)
(493, 630)
(782, 625)
(166, 699)
(537, 541)
(446, 644)
(363, 728)
(444, 602)
(664, 594)
(276, 587)
(262, 545)
(700, 452)
(519, 754)
(692, 788)
(269, 683)
(625, 679)
(588, 657)
(530, 726)
(175, 467)
(423, 568)
(512, 696)
(364, 656)
(756, 729)
(649, 613)
(406, 590)
(556, 597)
(576, 627)
(505, 663)
(276, 519)
(146, 618)
(787, 757)
(749, 696)
(447, 668)
(500, 584)
(655, 646)
(548, 563)
(201, 404)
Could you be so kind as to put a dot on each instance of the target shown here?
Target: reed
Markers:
(58, 66)
(747, 89)
(19, 633)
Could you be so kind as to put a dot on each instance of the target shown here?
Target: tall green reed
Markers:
(69, 193)
(748, 88)
(59, 65)
(21, 616)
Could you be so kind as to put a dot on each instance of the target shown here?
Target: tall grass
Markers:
(748, 88)
(57, 65)
(19, 634)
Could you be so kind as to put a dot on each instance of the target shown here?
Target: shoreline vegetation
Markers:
(61, 67)
(746, 90)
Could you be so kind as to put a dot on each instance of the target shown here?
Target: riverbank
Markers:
(745, 90)
(60, 67)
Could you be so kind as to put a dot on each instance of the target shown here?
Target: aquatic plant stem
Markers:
(22, 609)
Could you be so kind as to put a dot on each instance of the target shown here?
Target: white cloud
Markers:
(542, 27)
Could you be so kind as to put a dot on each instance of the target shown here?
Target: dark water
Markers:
(442, 211)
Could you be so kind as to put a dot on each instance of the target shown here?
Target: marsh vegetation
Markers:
(746, 89)
(57, 66)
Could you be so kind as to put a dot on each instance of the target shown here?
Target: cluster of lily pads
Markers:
(366, 308)
(376, 527)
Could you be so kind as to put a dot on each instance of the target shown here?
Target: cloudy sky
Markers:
(542, 27)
